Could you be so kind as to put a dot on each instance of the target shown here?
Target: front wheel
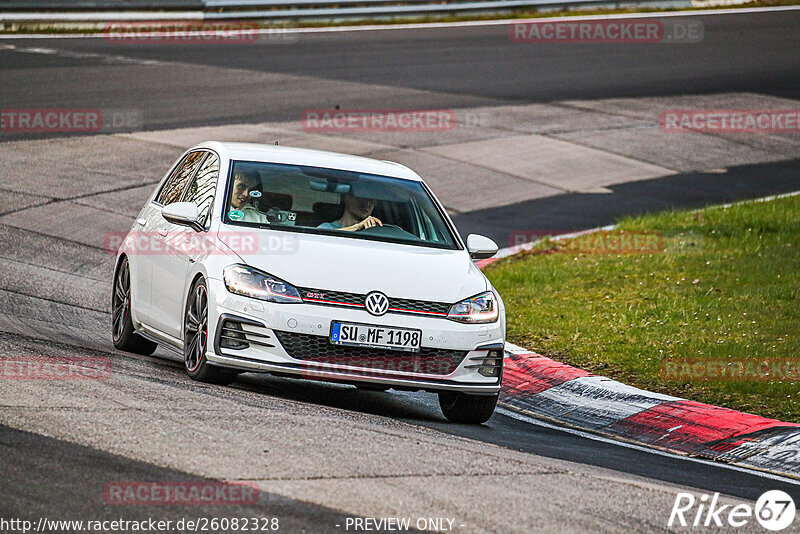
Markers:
(465, 408)
(195, 339)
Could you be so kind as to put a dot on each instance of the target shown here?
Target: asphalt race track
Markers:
(453, 67)
(549, 137)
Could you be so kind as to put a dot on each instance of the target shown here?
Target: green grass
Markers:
(725, 286)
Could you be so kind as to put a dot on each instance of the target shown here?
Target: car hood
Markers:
(360, 266)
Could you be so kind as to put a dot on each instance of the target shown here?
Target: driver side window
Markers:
(201, 190)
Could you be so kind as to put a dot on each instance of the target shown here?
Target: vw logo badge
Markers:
(376, 303)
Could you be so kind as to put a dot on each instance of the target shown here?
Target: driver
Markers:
(357, 215)
(242, 209)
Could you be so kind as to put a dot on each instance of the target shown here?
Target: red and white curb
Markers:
(543, 388)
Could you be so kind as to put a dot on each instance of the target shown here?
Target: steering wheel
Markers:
(391, 230)
(378, 226)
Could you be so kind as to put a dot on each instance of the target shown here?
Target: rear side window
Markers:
(201, 190)
(179, 179)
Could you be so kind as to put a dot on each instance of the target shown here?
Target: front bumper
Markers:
(466, 346)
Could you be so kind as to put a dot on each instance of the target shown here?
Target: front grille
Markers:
(356, 300)
(418, 306)
(332, 297)
(319, 349)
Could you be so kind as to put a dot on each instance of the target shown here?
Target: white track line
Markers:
(461, 24)
(105, 58)
(762, 199)
(596, 437)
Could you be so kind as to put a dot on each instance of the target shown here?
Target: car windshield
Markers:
(319, 200)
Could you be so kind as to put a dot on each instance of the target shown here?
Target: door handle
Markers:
(162, 231)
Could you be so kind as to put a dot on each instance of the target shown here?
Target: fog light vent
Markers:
(232, 336)
(489, 364)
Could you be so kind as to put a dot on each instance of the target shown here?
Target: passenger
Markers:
(357, 215)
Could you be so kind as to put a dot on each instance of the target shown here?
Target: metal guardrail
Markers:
(98, 5)
(418, 7)
(84, 11)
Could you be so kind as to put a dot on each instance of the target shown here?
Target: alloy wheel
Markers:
(196, 328)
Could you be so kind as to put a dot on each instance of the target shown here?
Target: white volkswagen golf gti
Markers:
(310, 264)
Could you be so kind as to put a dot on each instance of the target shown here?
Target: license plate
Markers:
(375, 337)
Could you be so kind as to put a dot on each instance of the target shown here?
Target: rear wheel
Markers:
(464, 408)
(121, 323)
(195, 339)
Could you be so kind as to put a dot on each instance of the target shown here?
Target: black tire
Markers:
(469, 409)
(195, 339)
(121, 324)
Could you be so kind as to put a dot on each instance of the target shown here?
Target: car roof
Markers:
(305, 156)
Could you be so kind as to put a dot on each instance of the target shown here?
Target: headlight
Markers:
(244, 280)
(482, 308)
